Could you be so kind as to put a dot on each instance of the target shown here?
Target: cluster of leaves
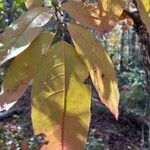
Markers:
(58, 69)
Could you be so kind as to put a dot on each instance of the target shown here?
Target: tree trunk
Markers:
(122, 49)
(144, 38)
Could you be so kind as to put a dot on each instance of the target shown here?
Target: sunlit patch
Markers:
(81, 137)
(15, 51)
(13, 26)
(1, 45)
(2, 90)
(8, 106)
(37, 21)
(25, 64)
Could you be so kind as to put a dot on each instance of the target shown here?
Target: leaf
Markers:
(82, 14)
(110, 12)
(48, 3)
(99, 65)
(1, 5)
(90, 15)
(18, 36)
(60, 100)
(19, 1)
(112, 7)
(37, 3)
(23, 69)
(144, 9)
(95, 16)
(34, 3)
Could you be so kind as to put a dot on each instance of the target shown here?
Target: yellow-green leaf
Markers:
(1, 5)
(99, 65)
(60, 100)
(22, 32)
(23, 69)
(144, 9)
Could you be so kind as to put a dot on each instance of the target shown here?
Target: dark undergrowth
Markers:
(128, 132)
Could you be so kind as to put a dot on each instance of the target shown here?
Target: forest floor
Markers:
(129, 132)
(106, 133)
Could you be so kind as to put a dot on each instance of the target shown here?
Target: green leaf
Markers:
(60, 100)
(19, 1)
(1, 5)
(18, 36)
(99, 65)
(23, 69)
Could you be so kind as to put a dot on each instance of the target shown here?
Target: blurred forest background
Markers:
(105, 133)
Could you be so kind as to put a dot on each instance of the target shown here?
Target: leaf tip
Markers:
(116, 114)
(114, 111)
